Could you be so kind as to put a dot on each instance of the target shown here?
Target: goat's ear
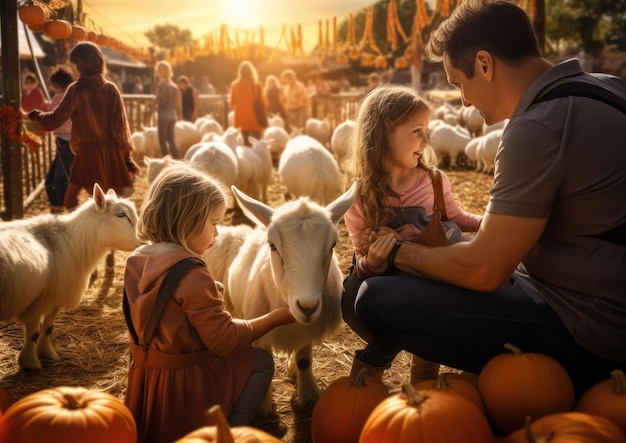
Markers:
(255, 210)
(342, 203)
(98, 195)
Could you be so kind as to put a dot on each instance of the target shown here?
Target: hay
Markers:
(92, 340)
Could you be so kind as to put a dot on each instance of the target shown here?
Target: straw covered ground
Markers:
(92, 340)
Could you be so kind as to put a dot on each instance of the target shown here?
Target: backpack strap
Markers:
(174, 275)
(583, 89)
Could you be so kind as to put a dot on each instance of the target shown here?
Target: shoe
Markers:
(423, 369)
(376, 372)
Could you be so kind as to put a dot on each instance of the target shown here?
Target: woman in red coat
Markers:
(244, 90)
(100, 137)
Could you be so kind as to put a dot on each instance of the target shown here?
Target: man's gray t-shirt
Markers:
(565, 160)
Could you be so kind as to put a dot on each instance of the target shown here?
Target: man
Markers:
(296, 99)
(547, 269)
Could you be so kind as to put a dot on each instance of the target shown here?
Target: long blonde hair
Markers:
(178, 204)
(380, 112)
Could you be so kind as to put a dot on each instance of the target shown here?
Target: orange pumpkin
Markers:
(58, 29)
(223, 433)
(79, 33)
(354, 53)
(426, 416)
(37, 28)
(6, 400)
(341, 58)
(401, 63)
(568, 427)
(518, 384)
(380, 62)
(455, 384)
(92, 36)
(607, 399)
(69, 415)
(343, 408)
(32, 14)
(101, 39)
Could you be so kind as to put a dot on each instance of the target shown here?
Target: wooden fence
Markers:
(140, 110)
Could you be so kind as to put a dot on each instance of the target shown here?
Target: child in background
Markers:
(169, 107)
(203, 355)
(59, 171)
(392, 163)
(32, 97)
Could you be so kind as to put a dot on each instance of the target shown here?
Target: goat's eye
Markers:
(120, 214)
(272, 246)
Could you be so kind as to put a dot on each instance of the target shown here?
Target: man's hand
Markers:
(379, 251)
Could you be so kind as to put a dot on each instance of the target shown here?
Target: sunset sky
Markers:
(128, 20)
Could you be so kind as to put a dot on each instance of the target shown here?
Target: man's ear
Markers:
(484, 64)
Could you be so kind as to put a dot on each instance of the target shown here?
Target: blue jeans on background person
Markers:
(59, 172)
(464, 329)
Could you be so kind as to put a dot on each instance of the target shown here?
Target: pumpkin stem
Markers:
(413, 397)
(223, 433)
(618, 382)
(442, 382)
(532, 438)
(72, 402)
(512, 348)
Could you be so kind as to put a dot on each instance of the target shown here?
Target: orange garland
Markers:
(10, 118)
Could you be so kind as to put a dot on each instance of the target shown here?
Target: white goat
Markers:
(279, 138)
(318, 129)
(486, 150)
(289, 261)
(448, 141)
(219, 257)
(254, 169)
(186, 134)
(341, 139)
(46, 262)
(307, 168)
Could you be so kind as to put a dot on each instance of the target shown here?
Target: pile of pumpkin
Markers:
(524, 397)
(519, 397)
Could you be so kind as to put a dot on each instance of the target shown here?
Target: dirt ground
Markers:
(93, 344)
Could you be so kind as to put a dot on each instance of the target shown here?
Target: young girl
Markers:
(59, 171)
(392, 163)
(169, 107)
(199, 355)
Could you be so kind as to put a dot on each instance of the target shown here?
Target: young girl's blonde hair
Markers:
(380, 112)
(178, 204)
(163, 70)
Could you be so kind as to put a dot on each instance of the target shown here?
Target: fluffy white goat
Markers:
(341, 139)
(448, 141)
(254, 169)
(208, 124)
(289, 261)
(318, 129)
(307, 168)
(278, 139)
(46, 262)
(486, 151)
(185, 135)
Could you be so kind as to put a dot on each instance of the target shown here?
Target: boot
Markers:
(376, 372)
(423, 369)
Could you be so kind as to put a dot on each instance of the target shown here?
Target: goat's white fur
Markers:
(288, 261)
(46, 262)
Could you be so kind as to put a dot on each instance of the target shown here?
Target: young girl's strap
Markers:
(174, 275)
(440, 202)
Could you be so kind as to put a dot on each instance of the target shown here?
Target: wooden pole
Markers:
(11, 84)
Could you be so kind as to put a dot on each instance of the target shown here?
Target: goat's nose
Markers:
(308, 310)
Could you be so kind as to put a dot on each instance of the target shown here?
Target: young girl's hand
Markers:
(282, 316)
(379, 251)
(370, 235)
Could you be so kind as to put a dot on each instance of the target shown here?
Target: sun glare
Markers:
(242, 13)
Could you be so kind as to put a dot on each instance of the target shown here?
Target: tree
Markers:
(168, 36)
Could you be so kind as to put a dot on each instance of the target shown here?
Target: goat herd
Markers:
(46, 261)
